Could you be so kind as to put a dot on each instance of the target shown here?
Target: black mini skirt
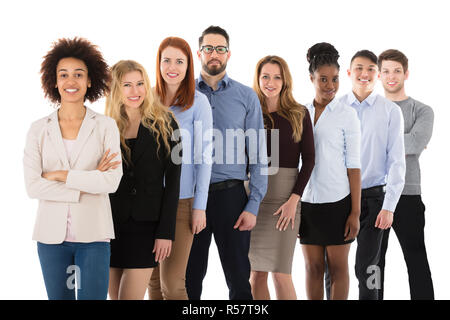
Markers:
(133, 245)
(324, 223)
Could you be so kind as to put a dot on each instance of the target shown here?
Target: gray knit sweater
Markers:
(418, 129)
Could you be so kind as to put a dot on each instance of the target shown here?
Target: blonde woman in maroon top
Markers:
(274, 236)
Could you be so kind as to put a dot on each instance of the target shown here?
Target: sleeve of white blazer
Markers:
(36, 186)
(95, 181)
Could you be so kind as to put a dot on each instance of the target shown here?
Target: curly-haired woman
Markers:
(71, 163)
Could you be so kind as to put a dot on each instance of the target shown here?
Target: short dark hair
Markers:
(322, 54)
(82, 49)
(393, 55)
(214, 30)
(365, 54)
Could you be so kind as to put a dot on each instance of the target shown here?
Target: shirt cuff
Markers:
(353, 163)
(252, 207)
(200, 200)
(389, 204)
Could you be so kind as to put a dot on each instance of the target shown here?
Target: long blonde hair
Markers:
(290, 109)
(155, 116)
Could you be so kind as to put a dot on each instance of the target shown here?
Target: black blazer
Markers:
(150, 185)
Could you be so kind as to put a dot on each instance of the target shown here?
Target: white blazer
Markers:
(86, 189)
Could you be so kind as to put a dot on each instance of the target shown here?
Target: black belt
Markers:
(373, 192)
(222, 185)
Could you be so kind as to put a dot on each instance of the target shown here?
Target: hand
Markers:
(105, 164)
(384, 219)
(287, 213)
(162, 249)
(351, 226)
(246, 221)
(198, 222)
(59, 175)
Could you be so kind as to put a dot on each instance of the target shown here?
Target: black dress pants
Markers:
(223, 209)
(409, 224)
(368, 252)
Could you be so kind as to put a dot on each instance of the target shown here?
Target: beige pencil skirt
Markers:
(272, 250)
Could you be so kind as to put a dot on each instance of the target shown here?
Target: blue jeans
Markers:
(69, 263)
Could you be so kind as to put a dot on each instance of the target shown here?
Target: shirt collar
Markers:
(331, 106)
(222, 83)
(370, 100)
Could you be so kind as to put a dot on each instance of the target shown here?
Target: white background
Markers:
(133, 30)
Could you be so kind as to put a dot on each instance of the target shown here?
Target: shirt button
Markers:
(133, 191)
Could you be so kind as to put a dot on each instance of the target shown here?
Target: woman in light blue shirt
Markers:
(331, 201)
(175, 85)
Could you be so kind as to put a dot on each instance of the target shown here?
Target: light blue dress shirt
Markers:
(196, 136)
(337, 142)
(236, 109)
(382, 145)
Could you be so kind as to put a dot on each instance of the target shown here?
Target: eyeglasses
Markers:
(210, 49)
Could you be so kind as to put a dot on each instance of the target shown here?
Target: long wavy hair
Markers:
(288, 108)
(155, 116)
(184, 97)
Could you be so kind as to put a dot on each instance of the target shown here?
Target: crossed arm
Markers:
(105, 164)
(66, 185)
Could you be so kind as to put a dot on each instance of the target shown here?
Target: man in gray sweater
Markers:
(409, 216)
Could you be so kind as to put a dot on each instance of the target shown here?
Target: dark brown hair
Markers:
(214, 30)
(184, 97)
(393, 55)
(82, 49)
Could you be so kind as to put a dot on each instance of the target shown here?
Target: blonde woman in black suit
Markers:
(145, 204)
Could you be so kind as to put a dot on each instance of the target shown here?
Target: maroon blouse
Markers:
(290, 150)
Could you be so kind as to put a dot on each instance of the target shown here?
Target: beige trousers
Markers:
(168, 280)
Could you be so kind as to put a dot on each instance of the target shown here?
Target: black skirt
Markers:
(324, 223)
(133, 245)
